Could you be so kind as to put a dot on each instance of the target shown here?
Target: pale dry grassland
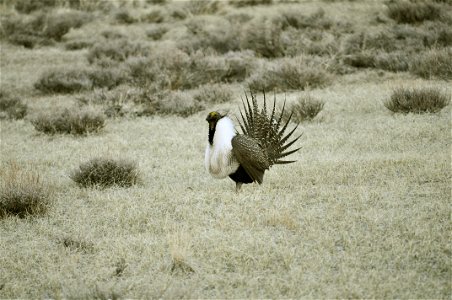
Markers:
(364, 212)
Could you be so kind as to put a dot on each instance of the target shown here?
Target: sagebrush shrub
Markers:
(242, 3)
(213, 93)
(11, 107)
(290, 74)
(123, 16)
(64, 81)
(77, 80)
(42, 28)
(435, 63)
(156, 33)
(306, 108)
(22, 192)
(77, 122)
(178, 103)
(105, 172)
(195, 7)
(210, 32)
(413, 12)
(417, 100)
(28, 6)
(263, 36)
(116, 50)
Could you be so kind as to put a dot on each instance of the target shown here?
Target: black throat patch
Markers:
(212, 127)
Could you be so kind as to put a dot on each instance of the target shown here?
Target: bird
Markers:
(244, 157)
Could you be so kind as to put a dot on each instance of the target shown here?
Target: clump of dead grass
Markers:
(417, 100)
(105, 172)
(23, 192)
(70, 121)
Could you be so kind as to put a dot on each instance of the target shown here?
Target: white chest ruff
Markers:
(219, 160)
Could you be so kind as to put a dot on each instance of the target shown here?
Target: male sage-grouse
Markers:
(245, 157)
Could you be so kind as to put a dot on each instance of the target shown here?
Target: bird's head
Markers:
(213, 118)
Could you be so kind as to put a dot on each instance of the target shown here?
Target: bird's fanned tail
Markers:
(268, 130)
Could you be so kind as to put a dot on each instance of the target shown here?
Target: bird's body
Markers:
(245, 157)
(219, 160)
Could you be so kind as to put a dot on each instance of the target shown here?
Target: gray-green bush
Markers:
(417, 100)
(106, 172)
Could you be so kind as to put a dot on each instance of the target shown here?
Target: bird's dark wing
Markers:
(251, 156)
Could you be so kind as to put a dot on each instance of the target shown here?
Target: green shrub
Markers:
(290, 74)
(74, 121)
(436, 63)
(213, 93)
(413, 12)
(417, 100)
(11, 107)
(306, 108)
(22, 192)
(104, 172)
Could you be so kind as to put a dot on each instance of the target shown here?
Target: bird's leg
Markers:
(238, 185)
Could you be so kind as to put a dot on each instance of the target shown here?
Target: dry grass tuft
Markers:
(179, 246)
(74, 121)
(22, 192)
(11, 107)
(104, 172)
(306, 108)
(417, 100)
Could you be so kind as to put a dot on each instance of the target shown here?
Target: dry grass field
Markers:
(365, 212)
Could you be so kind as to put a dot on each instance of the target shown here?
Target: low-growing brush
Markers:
(22, 192)
(417, 100)
(104, 172)
(11, 107)
(306, 108)
(77, 122)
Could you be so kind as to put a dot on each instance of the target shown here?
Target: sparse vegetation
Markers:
(364, 212)
(105, 172)
(417, 100)
(23, 192)
(74, 121)
(11, 107)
